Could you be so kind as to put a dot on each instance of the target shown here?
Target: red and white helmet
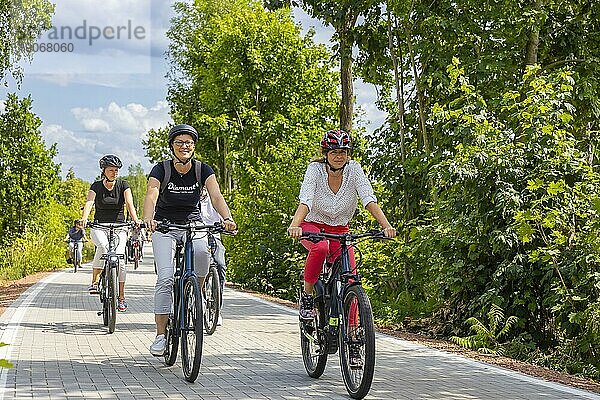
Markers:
(336, 139)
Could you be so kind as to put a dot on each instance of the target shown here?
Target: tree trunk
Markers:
(346, 77)
(533, 41)
(399, 81)
(420, 95)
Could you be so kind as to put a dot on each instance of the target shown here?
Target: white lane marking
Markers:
(11, 327)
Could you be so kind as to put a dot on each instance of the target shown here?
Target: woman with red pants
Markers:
(328, 200)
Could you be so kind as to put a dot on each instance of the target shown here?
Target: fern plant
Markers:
(487, 339)
(4, 363)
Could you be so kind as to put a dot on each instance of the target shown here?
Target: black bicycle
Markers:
(186, 318)
(75, 257)
(340, 297)
(108, 284)
(134, 251)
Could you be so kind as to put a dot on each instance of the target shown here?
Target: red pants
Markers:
(325, 249)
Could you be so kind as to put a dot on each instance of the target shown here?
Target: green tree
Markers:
(343, 15)
(21, 23)
(136, 178)
(28, 174)
(260, 95)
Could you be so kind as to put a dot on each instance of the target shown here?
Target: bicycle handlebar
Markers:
(110, 225)
(217, 227)
(318, 236)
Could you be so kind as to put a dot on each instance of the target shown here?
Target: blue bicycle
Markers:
(186, 318)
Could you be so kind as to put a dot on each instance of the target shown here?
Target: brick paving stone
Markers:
(61, 350)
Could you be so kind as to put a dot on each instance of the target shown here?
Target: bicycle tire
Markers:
(358, 321)
(212, 295)
(136, 259)
(192, 334)
(103, 298)
(313, 341)
(112, 299)
(75, 257)
(172, 342)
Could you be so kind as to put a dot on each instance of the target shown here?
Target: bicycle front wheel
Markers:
(172, 341)
(313, 340)
(212, 294)
(112, 291)
(357, 348)
(76, 260)
(192, 334)
(102, 290)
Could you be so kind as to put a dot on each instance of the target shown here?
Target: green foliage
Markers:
(22, 22)
(28, 175)
(486, 339)
(513, 219)
(260, 95)
(3, 362)
(38, 208)
(136, 178)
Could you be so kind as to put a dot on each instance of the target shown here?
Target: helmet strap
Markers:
(180, 161)
(332, 169)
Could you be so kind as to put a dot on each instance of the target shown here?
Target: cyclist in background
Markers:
(209, 217)
(173, 194)
(108, 196)
(76, 234)
(136, 235)
(328, 200)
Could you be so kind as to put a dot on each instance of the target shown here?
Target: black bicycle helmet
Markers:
(110, 160)
(182, 129)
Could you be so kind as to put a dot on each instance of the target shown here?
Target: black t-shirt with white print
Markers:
(109, 203)
(180, 201)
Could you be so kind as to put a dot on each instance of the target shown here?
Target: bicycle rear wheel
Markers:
(313, 341)
(357, 349)
(192, 334)
(111, 300)
(212, 294)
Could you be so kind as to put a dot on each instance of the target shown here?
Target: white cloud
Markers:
(113, 129)
(2, 106)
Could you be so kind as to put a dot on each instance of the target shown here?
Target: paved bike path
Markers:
(61, 350)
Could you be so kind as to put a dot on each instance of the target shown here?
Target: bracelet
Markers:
(228, 219)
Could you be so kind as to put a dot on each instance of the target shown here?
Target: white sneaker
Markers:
(220, 320)
(158, 347)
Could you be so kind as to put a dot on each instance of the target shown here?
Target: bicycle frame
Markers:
(181, 274)
(332, 286)
(334, 282)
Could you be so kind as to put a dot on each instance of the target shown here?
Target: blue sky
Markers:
(104, 95)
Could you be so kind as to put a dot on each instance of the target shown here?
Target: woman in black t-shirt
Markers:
(108, 196)
(179, 202)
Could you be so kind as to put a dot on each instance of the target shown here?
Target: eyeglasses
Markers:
(339, 153)
(180, 143)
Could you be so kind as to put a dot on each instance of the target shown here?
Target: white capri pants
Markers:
(163, 246)
(99, 237)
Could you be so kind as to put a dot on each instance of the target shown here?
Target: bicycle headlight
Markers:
(113, 259)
